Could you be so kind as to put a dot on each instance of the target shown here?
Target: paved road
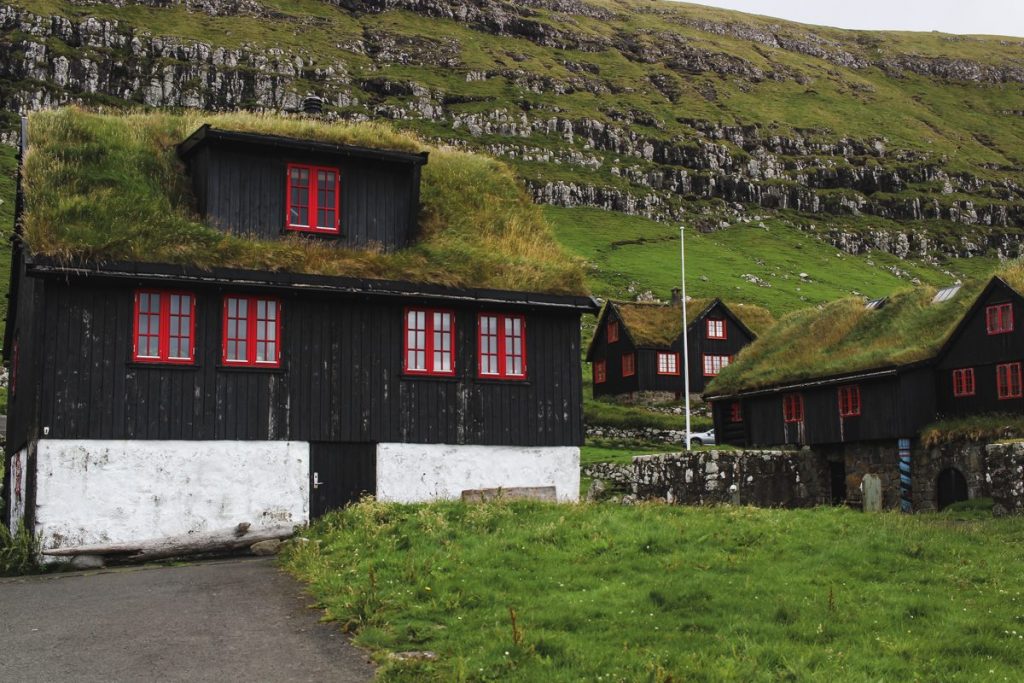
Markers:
(233, 620)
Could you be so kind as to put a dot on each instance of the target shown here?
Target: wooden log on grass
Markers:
(213, 542)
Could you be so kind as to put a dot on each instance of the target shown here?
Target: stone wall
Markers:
(1005, 476)
(802, 478)
(758, 478)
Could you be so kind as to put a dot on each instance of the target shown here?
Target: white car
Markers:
(702, 438)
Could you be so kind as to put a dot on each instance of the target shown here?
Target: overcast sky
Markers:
(996, 17)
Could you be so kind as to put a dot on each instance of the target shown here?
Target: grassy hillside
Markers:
(627, 255)
(662, 593)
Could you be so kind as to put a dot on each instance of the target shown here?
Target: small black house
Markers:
(851, 381)
(151, 399)
(636, 346)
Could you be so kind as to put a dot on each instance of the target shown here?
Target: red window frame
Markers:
(163, 320)
(715, 328)
(999, 318)
(312, 197)
(497, 346)
(963, 382)
(259, 331)
(1008, 381)
(600, 372)
(736, 412)
(849, 401)
(628, 364)
(671, 360)
(793, 408)
(613, 331)
(432, 337)
(713, 363)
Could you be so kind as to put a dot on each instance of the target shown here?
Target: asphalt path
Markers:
(230, 620)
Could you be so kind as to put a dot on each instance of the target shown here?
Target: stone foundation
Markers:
(1005, 476)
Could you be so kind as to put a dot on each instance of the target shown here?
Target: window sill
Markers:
(261, 369)
(503, 380)
(431, 378)
(322, 234)
(161, 365)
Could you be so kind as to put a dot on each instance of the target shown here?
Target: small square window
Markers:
(501, 347)
(628, 364)
(600, 372)
(715, 328)
(1008, 384)
(849, 401)
(613, 331)
(793, 408)
(164, 327)
(963, 382)
(736, 412)
(313, 198)
(668, 363)
(999, 318)
(713, 364)
(252, 331)
(429, 342)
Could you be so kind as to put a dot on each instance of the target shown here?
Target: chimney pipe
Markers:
(677, 296)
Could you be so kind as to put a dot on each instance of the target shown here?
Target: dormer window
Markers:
(313, 193)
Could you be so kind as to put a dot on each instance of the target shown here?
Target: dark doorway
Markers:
(837, 477)
(951, 487)
(339, 474)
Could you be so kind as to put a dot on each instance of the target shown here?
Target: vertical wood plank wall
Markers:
(340, 380)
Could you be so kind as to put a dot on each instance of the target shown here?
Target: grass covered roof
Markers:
(845, 337)
(659, 324)
(109, 187)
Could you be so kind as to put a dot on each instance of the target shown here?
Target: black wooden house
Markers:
(637, 346)
(196, 397)
(970, 363)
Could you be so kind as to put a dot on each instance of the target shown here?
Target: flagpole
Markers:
(686, 347)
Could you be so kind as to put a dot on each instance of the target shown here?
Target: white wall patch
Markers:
(96, 492)
(408, 472)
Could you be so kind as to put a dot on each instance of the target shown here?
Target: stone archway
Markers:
(950, 487)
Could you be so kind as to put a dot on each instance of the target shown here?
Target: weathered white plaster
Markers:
(16, 480)
(408, 472)
(93, 492)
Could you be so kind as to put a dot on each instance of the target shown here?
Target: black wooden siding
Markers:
(340, 379)
(892, 407)
(243, 190)
(647, 377)
(974, 347)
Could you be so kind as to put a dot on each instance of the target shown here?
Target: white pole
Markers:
(685, 360)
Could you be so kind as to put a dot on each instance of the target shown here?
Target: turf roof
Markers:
(844, 337)
(659, 324)
(105, 187)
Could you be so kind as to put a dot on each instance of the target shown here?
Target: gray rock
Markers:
(263, 548)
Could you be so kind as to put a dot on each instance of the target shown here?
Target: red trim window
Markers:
(501, 346)
(999, 318)
(736, 412)
(628, 364)
(668, 363)
(849, 401)
(715, 328)
(1008, 383)
(613, 331)
(600, 372)
(963, 382)
(713, 364)
(252, 331)
(164, 327)
(313, 198)
(429, 342)
(793, 408)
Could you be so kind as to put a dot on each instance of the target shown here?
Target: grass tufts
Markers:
(107, 187)
(19, 552)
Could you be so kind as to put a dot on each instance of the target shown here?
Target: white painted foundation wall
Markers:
(411, 473)
(92, 492)
(15, 489)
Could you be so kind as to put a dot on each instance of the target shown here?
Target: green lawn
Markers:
(628, 250)
(660, 593)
